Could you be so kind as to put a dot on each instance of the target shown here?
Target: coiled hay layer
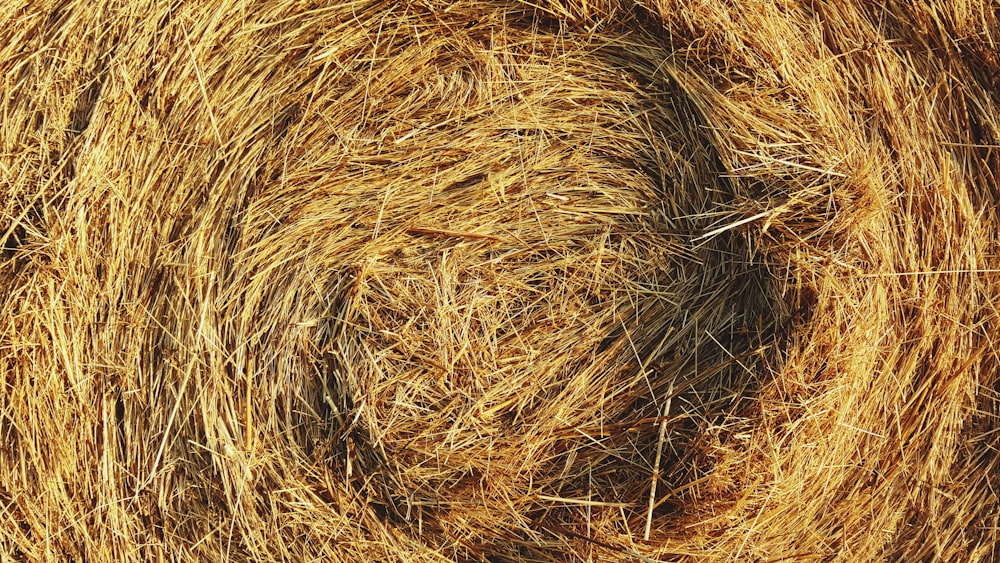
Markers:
(499, 281)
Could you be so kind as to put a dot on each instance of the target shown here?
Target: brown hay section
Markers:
(499, 281)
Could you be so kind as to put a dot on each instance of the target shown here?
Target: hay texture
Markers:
(499, 281)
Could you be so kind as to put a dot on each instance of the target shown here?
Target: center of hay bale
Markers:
(503, 221)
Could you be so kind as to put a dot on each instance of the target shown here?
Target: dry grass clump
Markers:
(499, 281)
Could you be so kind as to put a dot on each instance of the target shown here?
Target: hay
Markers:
(523, 281)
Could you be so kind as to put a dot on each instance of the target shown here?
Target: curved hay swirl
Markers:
(418, 281)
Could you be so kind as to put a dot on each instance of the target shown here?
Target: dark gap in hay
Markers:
(80, 118)
(119, 422)
(605, 16)
(13, 241)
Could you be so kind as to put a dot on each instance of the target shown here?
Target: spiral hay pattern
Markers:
(499, 281)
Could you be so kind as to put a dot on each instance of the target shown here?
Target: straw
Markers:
(499, 281)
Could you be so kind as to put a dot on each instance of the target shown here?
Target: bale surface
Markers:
(499, 281)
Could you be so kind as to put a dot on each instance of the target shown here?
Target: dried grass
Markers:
(488, 281)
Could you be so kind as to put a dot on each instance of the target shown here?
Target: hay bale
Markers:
(499, 281)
